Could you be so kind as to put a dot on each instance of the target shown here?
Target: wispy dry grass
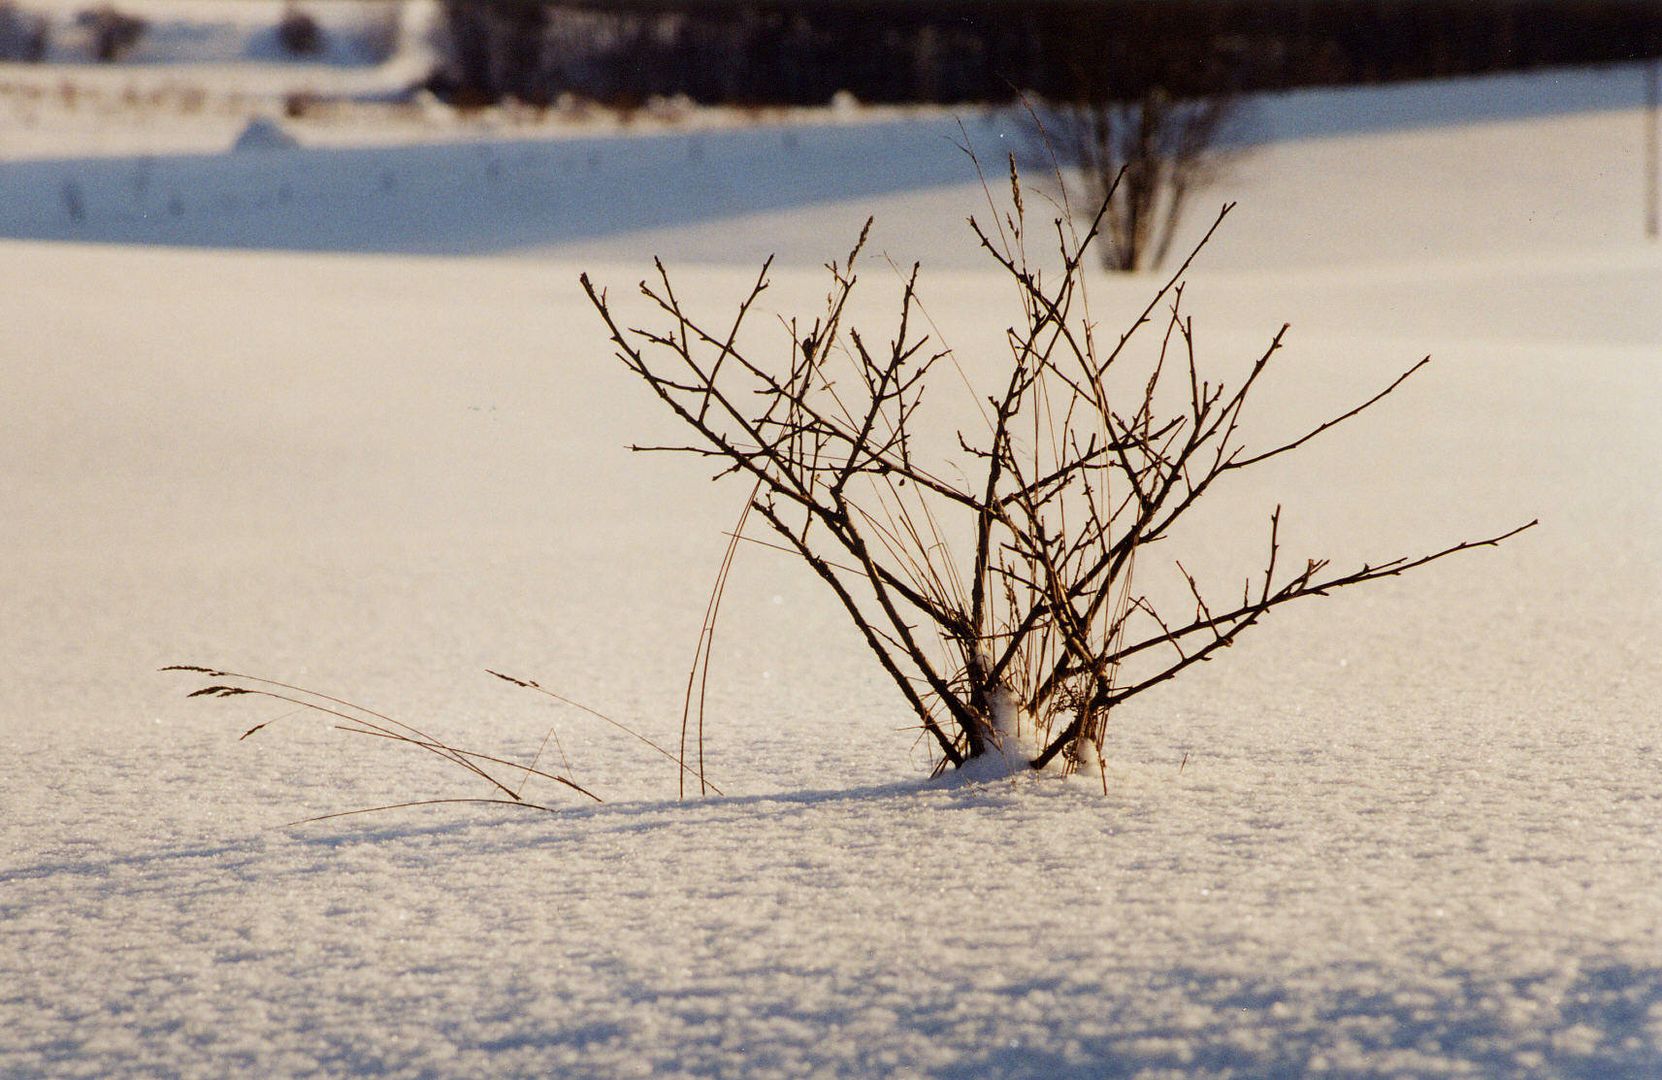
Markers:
(355, 719)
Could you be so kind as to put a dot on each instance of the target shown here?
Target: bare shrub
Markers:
(112, 33)
(299, 33)
(996, 576)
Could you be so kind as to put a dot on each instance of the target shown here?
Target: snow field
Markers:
(1408, 831)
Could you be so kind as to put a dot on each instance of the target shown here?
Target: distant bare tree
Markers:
(1137, 112)
(1142, 159)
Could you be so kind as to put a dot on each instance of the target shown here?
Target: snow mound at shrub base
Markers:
(1016, 743)
(264, 133)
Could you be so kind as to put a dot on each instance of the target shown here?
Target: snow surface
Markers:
(369, 439)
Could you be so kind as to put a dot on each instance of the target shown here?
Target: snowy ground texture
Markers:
(370, 439)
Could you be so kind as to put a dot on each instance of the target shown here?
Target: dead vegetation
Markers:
(997, 575)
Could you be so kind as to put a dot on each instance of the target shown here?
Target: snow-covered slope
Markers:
(340, 440)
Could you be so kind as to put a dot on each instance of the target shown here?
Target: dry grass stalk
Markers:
(360, 720)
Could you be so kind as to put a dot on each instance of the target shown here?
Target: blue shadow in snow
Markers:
(1263, 1026)
(539, 195)
(1315, 114)
(476, 198)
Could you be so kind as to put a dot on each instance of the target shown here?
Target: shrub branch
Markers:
(1024, 568)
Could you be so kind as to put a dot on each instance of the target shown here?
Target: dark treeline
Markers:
(773, 52)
